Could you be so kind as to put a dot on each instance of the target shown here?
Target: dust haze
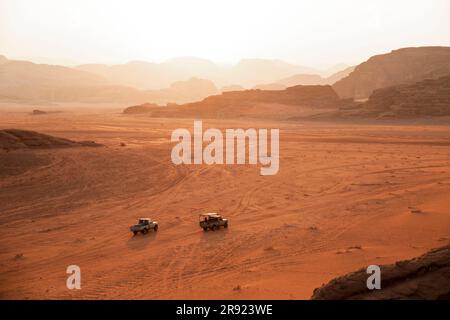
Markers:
(91, 92)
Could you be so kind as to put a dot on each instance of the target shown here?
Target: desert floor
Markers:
(346, 196)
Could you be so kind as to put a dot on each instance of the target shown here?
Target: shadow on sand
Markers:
(141, 241)
(217, 235)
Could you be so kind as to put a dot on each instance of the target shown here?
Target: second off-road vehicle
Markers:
(144, 225)
(212, 221)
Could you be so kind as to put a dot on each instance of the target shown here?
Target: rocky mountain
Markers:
(335, 77)
(154, 76)
(27, 81)
(251, 72)
(305, 79)
(302, 79)
(233, 87)
(279, 104)
(193, 89)
(407, 65)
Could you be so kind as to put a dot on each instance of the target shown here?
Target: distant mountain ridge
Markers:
(306, 79)
(152, 76)
(27, 81)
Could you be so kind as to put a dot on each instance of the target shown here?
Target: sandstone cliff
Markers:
(407, 65)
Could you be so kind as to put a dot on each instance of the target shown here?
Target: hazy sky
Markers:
(317, 33)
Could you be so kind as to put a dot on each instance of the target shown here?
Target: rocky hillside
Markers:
(407, 65)
(424, 98)
(314, 96)
(305, 80)
(273, 104)
(427, 98)
(425, 277)
(11, 139)
(141, 108)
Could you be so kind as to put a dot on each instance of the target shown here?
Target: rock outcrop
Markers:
(37, 112)
(313, 96)
(269, 104)
(11, 139)
(427, 98)
(141, 109)
(425, 277)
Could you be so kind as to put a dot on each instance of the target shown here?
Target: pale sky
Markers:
(317, 33)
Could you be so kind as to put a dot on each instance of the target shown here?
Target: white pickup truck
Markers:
(144, 225)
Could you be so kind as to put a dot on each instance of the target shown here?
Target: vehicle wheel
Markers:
(156, 228)
(134, 233)
(225, 225)
(144, 231)
(213, 228)
(205, 229)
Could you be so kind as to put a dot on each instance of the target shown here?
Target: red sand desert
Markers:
(347, 195)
